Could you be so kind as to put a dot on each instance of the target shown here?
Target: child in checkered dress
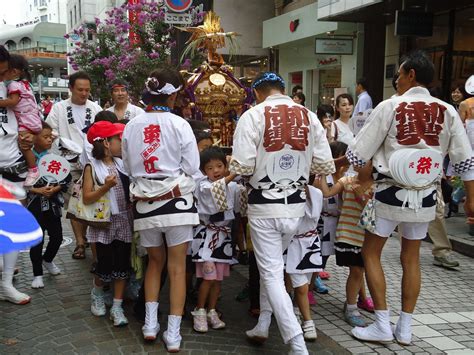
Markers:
(113, 244)
(211, 248)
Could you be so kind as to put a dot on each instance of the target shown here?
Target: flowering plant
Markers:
(104, 49)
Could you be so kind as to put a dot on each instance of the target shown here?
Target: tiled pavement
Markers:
(59, 321)
(444, 317)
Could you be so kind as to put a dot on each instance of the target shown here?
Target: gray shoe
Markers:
(446, 261)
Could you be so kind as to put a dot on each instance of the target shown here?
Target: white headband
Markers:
(168, 89)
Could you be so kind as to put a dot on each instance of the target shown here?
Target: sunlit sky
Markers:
(10, 11)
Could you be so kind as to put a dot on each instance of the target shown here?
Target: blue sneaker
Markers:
(320, 287)
(354, 319)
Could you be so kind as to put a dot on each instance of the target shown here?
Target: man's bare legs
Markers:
(380, 330)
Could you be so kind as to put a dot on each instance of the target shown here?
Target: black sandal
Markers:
(79, 252)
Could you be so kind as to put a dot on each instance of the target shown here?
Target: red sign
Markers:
(178, 5)
(294, 25)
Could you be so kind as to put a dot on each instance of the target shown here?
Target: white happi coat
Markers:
(217, 203)
(65, 125)
(412, 120)
(160, 155)
(303, 255)
(9, 151)
(131, 112)
(281, 139)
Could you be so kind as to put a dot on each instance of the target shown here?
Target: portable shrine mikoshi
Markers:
(218, 97)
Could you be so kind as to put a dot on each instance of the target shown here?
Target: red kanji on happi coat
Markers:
(419, 120)
(285, 125)
(54, 167)
(150, 165)
(152, 134)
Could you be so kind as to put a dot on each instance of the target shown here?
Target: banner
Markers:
(133, 19)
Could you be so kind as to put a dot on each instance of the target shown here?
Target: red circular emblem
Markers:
(178, 5)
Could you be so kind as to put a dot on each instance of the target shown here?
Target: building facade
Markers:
(44, 46)
(46, 10)
(323, 57)
(444, 29)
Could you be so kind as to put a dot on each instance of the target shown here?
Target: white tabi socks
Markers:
(379, 331)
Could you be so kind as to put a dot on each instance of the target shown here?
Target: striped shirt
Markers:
(347, 229)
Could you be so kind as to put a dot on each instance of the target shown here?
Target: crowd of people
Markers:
(298, 187)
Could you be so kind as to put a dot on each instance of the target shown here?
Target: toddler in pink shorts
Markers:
(23, 103)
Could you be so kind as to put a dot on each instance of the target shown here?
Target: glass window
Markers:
(75, 14)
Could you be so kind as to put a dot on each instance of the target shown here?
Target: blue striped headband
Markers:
(268, 76)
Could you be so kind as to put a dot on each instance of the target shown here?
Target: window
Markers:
(36, 3)
(75, 14)
(44, 18)
(49, 17)
(70, 18)
(31, 8)
(80, 9)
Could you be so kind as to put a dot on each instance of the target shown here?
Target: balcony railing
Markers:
(42, 50)
(40, 47)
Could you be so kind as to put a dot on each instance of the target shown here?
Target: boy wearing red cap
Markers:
(113, 242)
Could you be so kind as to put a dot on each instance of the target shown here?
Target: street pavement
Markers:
(58, 320)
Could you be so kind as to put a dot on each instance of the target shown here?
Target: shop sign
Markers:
(334, 46)
(328, 61)
(178, 19)
(294, 25)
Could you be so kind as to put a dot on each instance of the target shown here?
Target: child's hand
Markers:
(110, 181)
(40, 191)
(318, 181)
(25, 141)
(50, 191)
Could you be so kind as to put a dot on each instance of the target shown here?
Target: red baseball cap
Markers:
(103, 130)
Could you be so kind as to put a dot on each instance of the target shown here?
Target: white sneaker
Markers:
(257, 334)
(37, 282)
(52, 268)
(118, 317)
(97, 305)
(214, 320)
(309, 331)
(171, 336)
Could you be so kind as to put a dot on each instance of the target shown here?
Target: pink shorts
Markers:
(209, 270)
